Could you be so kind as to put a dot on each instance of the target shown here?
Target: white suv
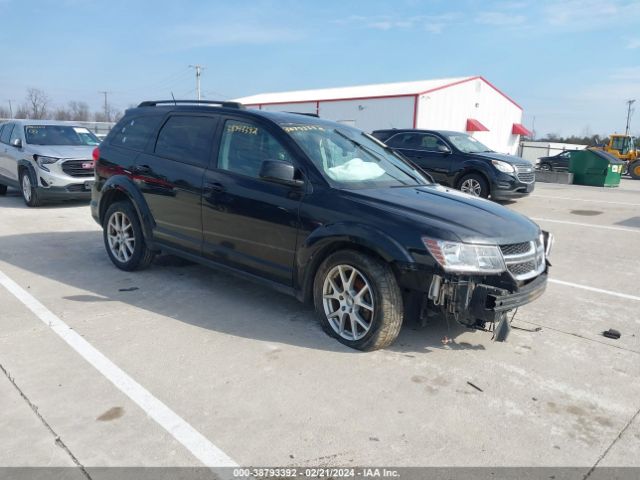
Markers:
(46, 160)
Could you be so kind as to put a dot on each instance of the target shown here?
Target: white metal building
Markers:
(470, 104)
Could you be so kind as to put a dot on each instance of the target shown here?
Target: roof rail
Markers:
(222, 103)
(306, 113)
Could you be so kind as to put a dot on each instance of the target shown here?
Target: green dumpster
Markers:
(595, 167)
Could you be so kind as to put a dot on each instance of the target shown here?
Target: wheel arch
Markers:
(322, 244)
(120, 188)
(26, 165)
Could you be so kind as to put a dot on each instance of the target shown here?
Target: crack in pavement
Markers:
(57, 439)
(615, 440)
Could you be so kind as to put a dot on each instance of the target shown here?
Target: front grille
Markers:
(516, 248)
(526, 173)
(78, 168)
(524, 260)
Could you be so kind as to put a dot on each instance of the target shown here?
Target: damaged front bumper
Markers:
(475, 303)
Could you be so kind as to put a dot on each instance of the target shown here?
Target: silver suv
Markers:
(46, 160)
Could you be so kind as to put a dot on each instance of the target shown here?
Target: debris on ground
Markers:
(475, 386)
(611, 333)
(129, 289)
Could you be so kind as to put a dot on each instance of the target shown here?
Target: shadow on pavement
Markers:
(193, 294)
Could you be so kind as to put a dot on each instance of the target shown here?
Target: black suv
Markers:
(316, 209)
(460, 161)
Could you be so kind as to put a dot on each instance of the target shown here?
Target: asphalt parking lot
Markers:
(246, 374)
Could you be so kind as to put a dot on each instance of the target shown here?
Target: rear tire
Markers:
(123, 238)
(29, 191)
(358, 300)
(475, 185)
(3, 189)
(634, 170)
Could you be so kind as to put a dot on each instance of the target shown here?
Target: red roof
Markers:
(519, 129)
(474, 125)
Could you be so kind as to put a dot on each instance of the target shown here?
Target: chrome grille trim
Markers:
(524, 260)
(525, 173)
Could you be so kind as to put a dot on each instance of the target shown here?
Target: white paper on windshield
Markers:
(81, 130)
(355, 170)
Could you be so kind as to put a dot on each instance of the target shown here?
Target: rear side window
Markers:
(187, 139)
(404, 140)
(134, 133)
(245, 146)
(6, 133)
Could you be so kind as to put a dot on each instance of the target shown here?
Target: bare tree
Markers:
(62, 113)
(22, 112)
(79, 111)
(4, 112)
(36, 103)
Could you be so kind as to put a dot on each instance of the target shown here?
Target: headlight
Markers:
(44, 161)
(465, 257)
(503, 166)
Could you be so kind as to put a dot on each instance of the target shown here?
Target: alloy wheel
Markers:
(471, 186)
(348, 302)
(26, 187)
(120, 236)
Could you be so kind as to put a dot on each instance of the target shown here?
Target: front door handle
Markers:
(213, 187)
(143, 169)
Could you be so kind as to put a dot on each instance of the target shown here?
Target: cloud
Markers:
(431, 23)
(633, 43)
(196, 36)
(500, 19)
(590, 14)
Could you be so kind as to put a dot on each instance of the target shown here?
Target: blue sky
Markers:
(571, 64)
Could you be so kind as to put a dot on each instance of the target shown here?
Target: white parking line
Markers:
(594, 289)
(189, 437)
(592, 225)
(588, 200)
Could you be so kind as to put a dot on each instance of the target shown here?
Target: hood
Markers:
(512, 159)
(62, 151)
(451, 215)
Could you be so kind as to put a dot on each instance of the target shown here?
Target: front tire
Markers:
(29, 191)
(546, 167)
(123, 238)
(475, 185)
(358, 300)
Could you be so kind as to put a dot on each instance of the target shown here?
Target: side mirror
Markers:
(16, 142)
(443, 149)
(279, 172)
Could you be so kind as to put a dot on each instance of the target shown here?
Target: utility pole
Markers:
(629, 103)
(106, 105)
(198, 74)
(10, 109)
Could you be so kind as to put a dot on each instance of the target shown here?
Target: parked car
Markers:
(460, 161)
(315, 209)
(555, 162)
(46, 160)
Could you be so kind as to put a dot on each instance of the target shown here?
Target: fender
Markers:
(124, 185)
(32, 172)
(313, 250)
(470, 166)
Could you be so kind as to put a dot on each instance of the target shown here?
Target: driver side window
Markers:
(244, 146)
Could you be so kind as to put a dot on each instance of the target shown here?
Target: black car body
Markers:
(476, 170)
(271, 197)
(558, 162)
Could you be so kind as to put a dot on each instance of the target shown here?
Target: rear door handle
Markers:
(213, 187)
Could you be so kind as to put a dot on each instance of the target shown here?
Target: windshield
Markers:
(59, 135)
(467, 144)
(348, 158)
